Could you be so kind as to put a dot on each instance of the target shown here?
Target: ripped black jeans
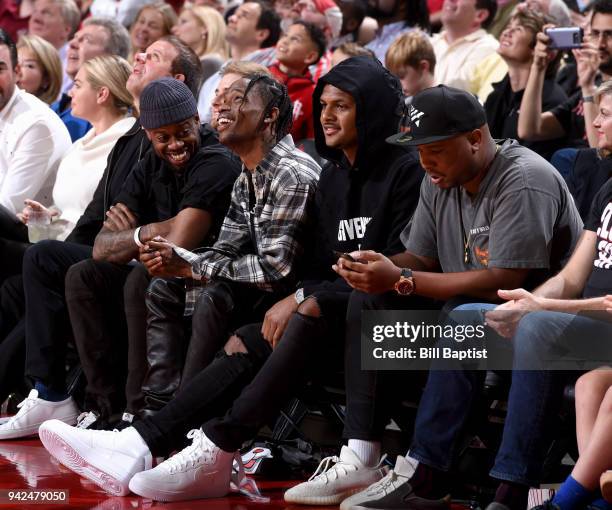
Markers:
(237, 394)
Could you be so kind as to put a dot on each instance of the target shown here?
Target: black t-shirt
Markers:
(600, 222)
(589, 174)
(154, 192)
(502, 108)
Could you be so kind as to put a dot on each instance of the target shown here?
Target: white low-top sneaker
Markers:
(201, 470)
(394, 492)
(336, 479)
(33, 411)
(109, 459)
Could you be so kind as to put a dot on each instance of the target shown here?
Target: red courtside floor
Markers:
(26, 465)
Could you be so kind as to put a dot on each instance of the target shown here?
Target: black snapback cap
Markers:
(438, 113)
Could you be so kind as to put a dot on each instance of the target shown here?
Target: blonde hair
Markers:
(408, 50)
(48, 58)
(215, 26)
(244, 68)
(112, 72)
(605, 89)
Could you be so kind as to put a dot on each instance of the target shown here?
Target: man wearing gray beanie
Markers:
(179, 190)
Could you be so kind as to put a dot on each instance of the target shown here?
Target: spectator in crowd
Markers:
(592, 168)
(556, 9)
(397, 18)
(103, 99)
(56, 21)
(506, 253)
(573, 118)
(40, 69)
(97, 37)
(593, 429)
(293, 333)
(168, 114)
(252, 33)
(463, 42)
(502, 106)
(229, 74)
(412, 59)
(32, 144)
(46, 263)
(196, 209)
(300, 47)
(153, 21)
(348, 50)
(203, 30)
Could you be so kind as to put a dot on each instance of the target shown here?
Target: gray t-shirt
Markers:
(523, 216)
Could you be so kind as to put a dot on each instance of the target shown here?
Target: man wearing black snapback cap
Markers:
(491, 214)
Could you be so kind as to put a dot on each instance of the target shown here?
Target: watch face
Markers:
(405, 286)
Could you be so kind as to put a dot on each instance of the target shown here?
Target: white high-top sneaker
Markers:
(331, 484)
(201, 470)
(109, 459)
(33, 411)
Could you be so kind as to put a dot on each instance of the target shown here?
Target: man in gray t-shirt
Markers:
(491, 215)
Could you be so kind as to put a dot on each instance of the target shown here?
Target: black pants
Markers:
(174, 356)
(13, 244)
(47, 325)
(370, 394)
(237, 394)
(107, 311)
(12, 335)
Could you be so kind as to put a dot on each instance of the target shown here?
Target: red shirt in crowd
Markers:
(300, 89)
(10, 20)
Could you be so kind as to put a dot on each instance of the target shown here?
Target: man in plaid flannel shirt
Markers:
(254, 260)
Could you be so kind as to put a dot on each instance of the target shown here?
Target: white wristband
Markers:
(137, 237)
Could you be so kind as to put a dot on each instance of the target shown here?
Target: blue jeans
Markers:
(533, 403)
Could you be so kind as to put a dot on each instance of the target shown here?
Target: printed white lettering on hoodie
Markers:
(355, 228)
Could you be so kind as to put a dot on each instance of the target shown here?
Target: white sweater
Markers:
(80, 172)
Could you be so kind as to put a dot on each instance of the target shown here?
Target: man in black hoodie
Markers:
(367, 192)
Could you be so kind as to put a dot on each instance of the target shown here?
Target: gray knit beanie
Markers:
(166, 101)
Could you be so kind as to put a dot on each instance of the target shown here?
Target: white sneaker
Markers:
(202, 470)
(394, 492)
(33, 411)
(329, 485)
(109, 459)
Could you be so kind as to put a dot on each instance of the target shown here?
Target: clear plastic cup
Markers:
(38, 226)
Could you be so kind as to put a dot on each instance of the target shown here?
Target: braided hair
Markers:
(273, 95)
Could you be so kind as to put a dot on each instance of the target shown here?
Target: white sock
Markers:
(367, 451)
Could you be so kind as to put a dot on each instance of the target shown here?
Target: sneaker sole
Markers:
(156, 494)
(68, 456)
(334, 499)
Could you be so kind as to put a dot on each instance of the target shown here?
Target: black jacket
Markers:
(129, 150)
(365, 205)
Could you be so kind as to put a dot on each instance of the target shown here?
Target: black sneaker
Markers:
(394, 491)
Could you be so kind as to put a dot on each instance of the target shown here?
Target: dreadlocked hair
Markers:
(274, 95)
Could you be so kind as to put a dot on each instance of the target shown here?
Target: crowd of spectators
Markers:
(198, 200)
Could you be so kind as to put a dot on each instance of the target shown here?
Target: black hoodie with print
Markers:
(363, 206)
